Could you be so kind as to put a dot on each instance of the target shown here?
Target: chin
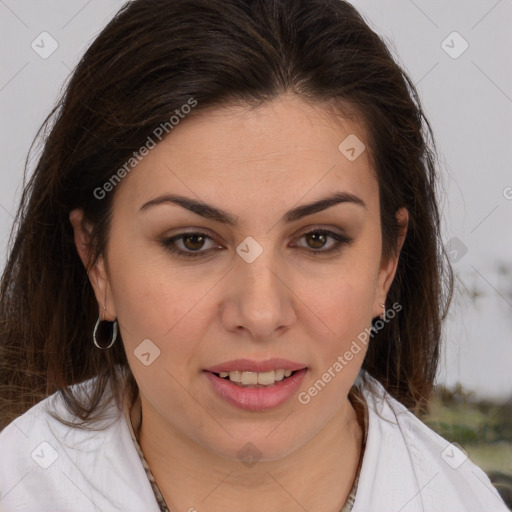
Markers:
(257, 447)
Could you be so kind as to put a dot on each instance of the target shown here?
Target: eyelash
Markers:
(168, 243)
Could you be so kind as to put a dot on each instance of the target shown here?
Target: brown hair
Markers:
(153, 57)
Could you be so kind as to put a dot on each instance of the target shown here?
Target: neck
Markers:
(317, 476)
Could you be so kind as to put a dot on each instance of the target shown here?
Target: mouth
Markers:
(256, 391)
(256, 379)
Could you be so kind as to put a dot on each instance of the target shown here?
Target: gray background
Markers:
(468, 100)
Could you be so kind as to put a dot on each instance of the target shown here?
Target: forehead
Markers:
(284, 150)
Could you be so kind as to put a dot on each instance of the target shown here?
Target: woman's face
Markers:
(272, 283)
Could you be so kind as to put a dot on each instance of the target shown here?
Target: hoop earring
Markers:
(383, 314)
(114, 333)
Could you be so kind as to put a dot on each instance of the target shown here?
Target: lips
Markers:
(256, 385)
(256, 397)
(248, 365)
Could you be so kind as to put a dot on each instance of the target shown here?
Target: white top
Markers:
(46, 466)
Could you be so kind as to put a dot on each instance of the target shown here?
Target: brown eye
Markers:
(194, 241)
(318, 238)
(187, 244)
(190, 245)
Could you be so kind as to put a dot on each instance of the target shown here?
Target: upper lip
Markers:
(248, 365)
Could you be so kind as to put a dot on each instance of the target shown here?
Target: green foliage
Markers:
(459, 417)
(482, 427)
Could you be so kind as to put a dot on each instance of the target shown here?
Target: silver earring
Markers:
(383, 314)
(114, 333)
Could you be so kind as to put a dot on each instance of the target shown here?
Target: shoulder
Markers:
(49, 466)
(409, 467)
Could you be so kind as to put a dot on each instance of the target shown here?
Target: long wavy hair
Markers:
(152, 58)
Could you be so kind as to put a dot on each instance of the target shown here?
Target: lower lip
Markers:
(257, 399)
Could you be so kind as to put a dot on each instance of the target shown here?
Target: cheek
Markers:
(148, 301)
(141, 298)
(346, 314)
(150, 294)
(343, 307)
(155, 325)
(157, 300)
(344, 300)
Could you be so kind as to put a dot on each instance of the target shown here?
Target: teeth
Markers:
(252, 378)
(249, 378)
(235, 376)
(265, 378)
(279, 374)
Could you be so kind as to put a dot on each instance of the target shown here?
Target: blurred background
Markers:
(458, 54)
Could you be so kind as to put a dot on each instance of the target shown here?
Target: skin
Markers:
(256, 164)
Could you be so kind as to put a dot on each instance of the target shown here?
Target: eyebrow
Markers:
(216, 214)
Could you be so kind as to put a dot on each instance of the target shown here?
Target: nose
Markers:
(259, 299)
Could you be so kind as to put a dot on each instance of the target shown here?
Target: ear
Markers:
(97, 272)
(388, 268)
